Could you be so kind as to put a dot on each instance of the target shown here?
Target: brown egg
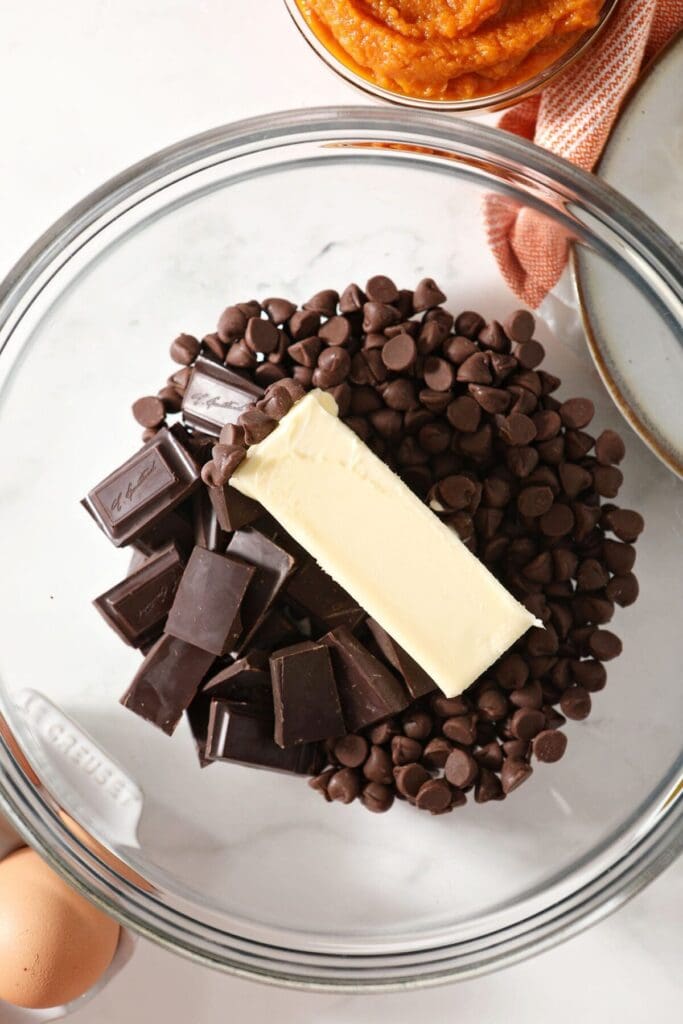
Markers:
(54, 945)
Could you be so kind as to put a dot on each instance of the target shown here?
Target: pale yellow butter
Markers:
(362, 524)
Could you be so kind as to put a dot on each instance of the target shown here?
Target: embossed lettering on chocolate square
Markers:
(142, 479)
(216, 396)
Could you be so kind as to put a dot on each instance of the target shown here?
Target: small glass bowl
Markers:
(478, 104)
(245, 870)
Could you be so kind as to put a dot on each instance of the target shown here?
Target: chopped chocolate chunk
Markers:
(216, 396)
(249, 741)
(206, 609)
(137, 495)
(137, 607)
(368, 691)
(167, 681)
(305, 698)
(272, 566)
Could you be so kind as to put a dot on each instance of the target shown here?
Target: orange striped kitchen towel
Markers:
(572, 117)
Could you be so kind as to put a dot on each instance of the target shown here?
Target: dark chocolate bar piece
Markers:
(198, 718)
(167, 681)
(136, 608)
(314, 593)
(305, 698)
(276, 630)
(216, 396)
(175, 527)
(249, 741)
(208, 532)
(245, 686)
(206, 609)
(414, 676)
(368, 691)
(137, 495)
(273, 566)
(233, 510)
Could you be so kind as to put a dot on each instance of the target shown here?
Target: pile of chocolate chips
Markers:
(274, 664)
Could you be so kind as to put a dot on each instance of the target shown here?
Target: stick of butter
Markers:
(368, 530)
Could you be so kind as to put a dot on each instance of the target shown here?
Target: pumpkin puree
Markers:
(449, 49)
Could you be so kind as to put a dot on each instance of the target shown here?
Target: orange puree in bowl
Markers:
(449, 49)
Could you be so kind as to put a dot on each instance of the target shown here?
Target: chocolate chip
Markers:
(337, 331)
(523, 400)
(513, 774)
(381, 289)
(623, 590)
(458, 349)
(303, 324)
(578, 444)
(528, 696)
(446, 707)
(516, 750)
(557, 521)
(426, 295)
(400, 394)
(464, 414)
(436, 752)
(305, 352)
(456, 492)
(232, 324)
(520, 325)
(592, 675)
(324, 302)
(530, 354)
(534, 501)
(607, 480)
(492, 400)
(417, 725)
(383, 732)
(256, 425)
(279, 310)
(185, 349)
(577, 413)
(333, 367)
(261, 335)
(344, 786)
(604, 645)
(469, 324)
(378, 766)
(241, 356)
(434, 796)
(574, 479)
(576, 703)
(548, 424)
(409, 778)
(351, 751)
(460, 729)
(171, 398)
(549, 746)
(378, 315)
(404, 750)
(516, 429)
(438, 374)
(624, 523)
(149, 412)
(376, 797)
(461, 769)
(526, 723)
(490, 756)
(502, 366)
(475, 370)
(494, 337)
(521, 461)
(321, 782)
(488, 787)
(351, 299)
(512, 671)
(609, 448)
(399, 353)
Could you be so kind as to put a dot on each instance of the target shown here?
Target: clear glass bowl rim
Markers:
(30, 807)
(478, 104)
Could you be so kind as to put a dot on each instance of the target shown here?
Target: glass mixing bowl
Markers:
(248, 870)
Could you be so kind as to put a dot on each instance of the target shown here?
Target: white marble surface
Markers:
(87, 89)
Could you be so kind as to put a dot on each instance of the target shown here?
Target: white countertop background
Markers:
(87, 87)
